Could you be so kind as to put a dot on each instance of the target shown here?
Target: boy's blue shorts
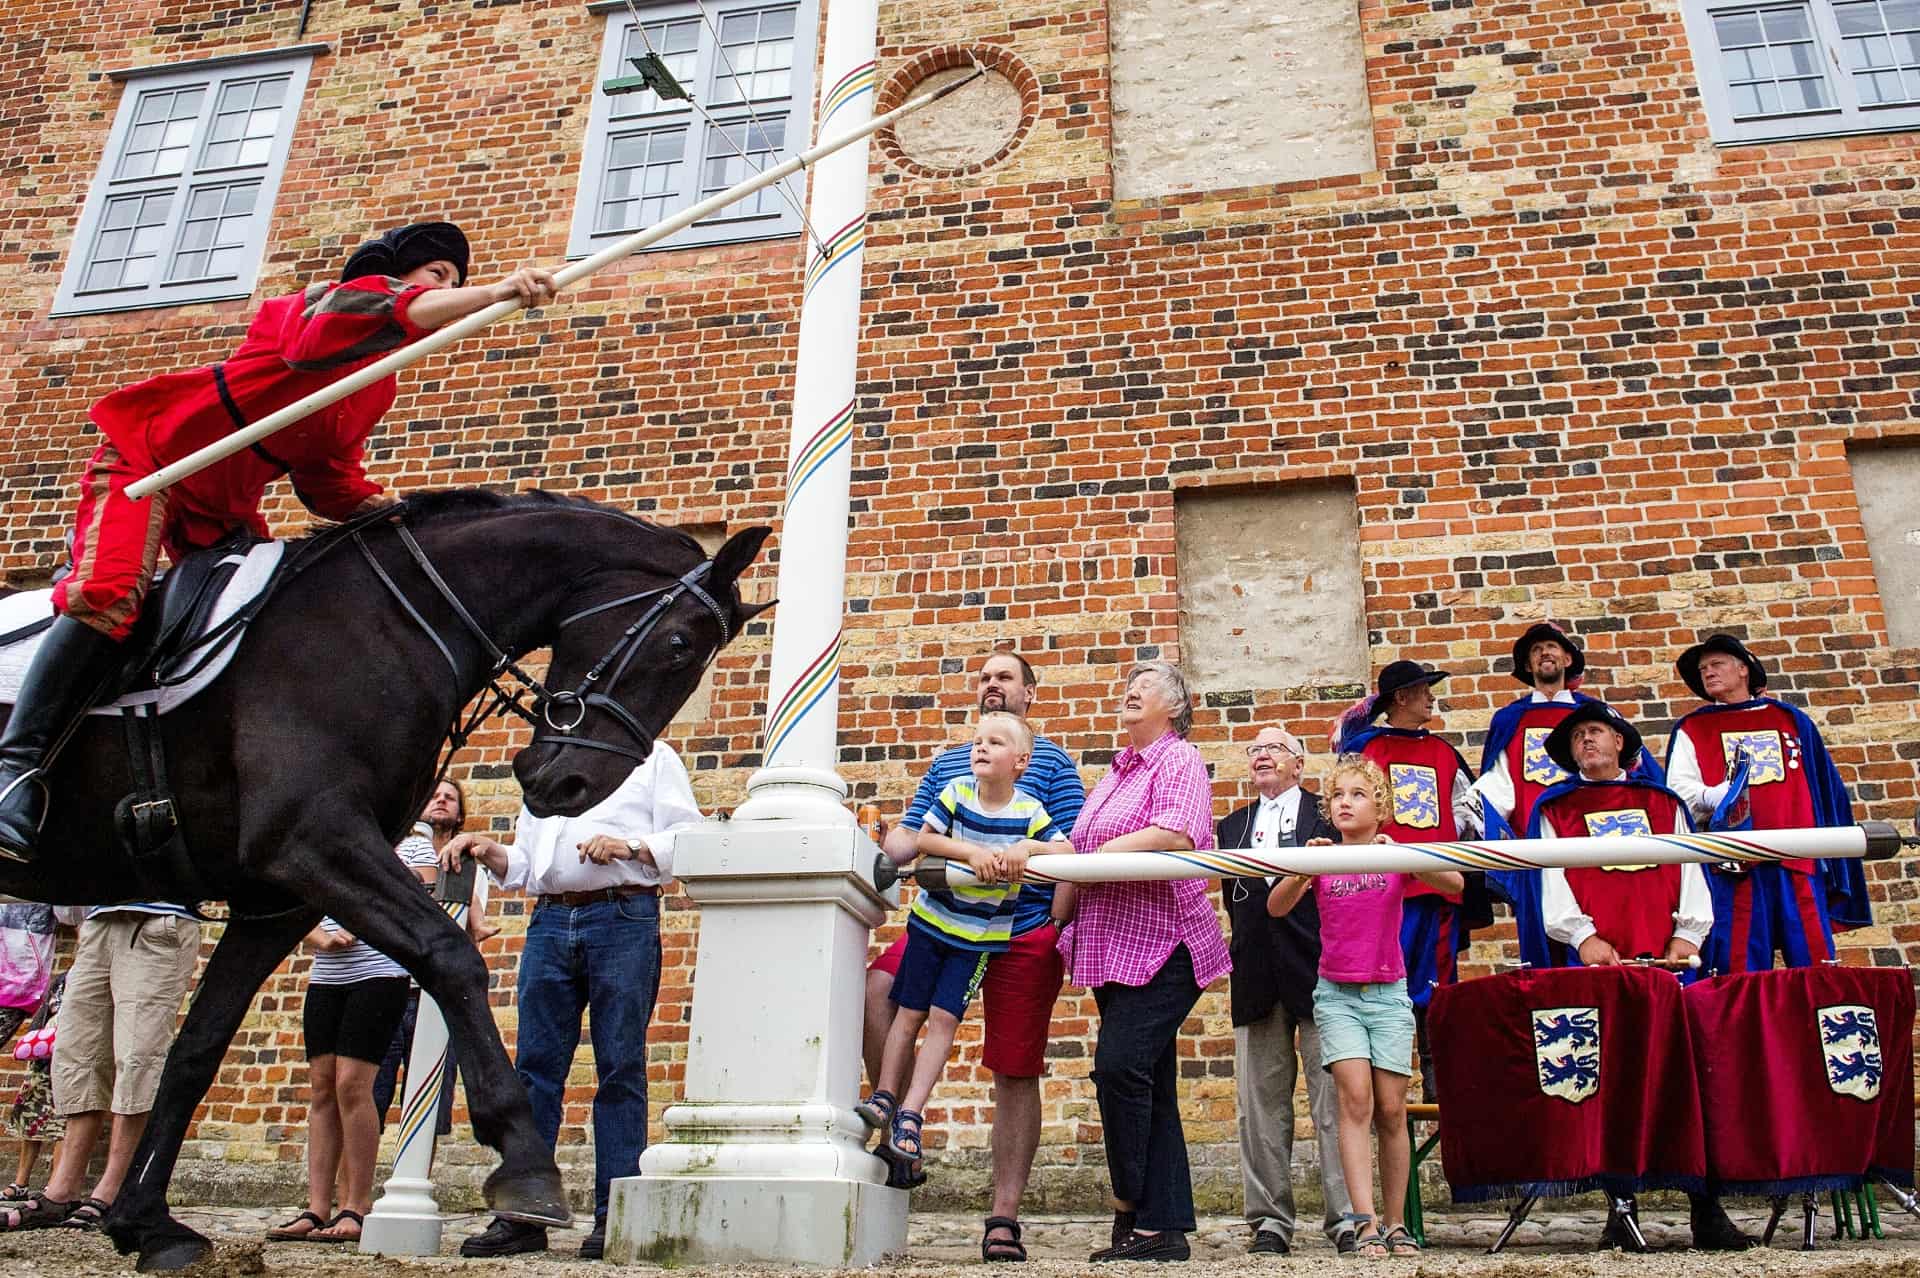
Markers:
(937, 973)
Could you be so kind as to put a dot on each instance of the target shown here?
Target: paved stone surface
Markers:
(1556, 1243)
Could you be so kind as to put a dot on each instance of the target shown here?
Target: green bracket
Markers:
(653, 75)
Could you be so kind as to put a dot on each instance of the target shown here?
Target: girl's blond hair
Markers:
(1367, 770)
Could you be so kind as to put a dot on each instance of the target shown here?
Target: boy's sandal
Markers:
(876, 1111)
(1399, 1241)
(287, 1232)
(87, 1215)
(38, 1212)
(354, 1237)
(1002, 1249)
(904, 1139)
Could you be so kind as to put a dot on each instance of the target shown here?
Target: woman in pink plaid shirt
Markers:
(1146, 950)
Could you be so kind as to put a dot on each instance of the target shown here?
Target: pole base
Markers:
(404, 1222)
(717, 1220)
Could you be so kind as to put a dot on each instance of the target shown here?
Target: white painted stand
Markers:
(406, 1219)
(764, 1159)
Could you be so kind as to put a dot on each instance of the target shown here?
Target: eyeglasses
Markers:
(1273, 748)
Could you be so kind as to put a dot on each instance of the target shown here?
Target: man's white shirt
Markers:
(654, 803)
(1274, 821)
(1567, 923)
(1495, 785)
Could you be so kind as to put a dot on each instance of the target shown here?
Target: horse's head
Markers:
(630, 649)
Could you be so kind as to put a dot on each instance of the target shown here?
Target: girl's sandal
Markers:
(1370, 1245)
(288, 1232)
(1399, 1241)
(87, 1215)
(330, 1233)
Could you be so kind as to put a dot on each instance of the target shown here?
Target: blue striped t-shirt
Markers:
(1050, 777)
(978, 916)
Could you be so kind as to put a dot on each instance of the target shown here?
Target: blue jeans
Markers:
(604, 956)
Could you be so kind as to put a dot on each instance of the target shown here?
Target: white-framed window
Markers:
(1773, 69)
(749, 64)
(179, 209)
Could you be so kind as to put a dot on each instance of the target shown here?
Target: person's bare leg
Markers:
(29, 1159)
(931, 1060)
(1390, 1126)
(127, 1131)
(359, 1140)
(879, 1021)
(67, 1181)
(1353, 1083)
(897, 1062)
(1016, 1139)
(323, 1136)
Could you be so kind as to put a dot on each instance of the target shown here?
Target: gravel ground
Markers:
(1555, 1244)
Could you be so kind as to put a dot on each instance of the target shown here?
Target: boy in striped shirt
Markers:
(983, 821)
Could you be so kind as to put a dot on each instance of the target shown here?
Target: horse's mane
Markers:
(454, 504)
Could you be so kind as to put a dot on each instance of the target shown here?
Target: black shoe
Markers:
(1167, 1245)
(1122, 1229)
(1617, 1235)
(1346, 1241)
(594, 1246)
(73, 663)
(1712, 1230)
(505, 1238)
(1268, 1243)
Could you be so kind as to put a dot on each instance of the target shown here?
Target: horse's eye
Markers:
(680, 645)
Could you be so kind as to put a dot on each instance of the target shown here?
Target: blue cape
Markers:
(1846, 881)
(1506, 722)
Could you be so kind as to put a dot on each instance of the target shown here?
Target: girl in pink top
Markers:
(1360, 1004)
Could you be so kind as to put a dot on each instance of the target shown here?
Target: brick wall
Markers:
(1576, 361)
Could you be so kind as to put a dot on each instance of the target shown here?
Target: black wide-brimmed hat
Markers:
(1398, 675)
(408, 248)
(1689, 663)
(1546, 630)
(1560, 740)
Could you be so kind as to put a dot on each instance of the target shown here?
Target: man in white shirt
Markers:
(593, 941)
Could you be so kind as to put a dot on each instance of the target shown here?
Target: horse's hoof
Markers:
(174, 1253)
(531, 1198)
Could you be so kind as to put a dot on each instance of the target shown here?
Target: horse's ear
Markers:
(747, 612)
(733, 558)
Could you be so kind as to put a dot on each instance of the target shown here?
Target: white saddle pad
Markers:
(249, 579)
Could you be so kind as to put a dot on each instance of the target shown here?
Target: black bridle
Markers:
(552, 707)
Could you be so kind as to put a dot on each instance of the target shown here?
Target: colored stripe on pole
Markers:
(814, 682)
(843, 245)
(826, 441)
(850, 86)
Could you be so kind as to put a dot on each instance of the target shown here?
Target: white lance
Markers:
(1872, 840)
(448, 334)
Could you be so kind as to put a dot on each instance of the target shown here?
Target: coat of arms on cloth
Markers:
(1416, 796)
(1850, 1043)
(1566, 1051)
(1539, 766)
(1769, 757)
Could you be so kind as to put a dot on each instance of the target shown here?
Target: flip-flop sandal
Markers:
(1002, 1250)
(354, 1216)
(287, 1232)
(38, 1212)
(87, 1215)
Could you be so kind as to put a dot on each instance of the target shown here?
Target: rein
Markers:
(549, 707)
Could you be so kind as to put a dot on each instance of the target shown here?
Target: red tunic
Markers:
(1421, 772)
(1529, 766)
(295, 345)
(1777, 787)
(1632, 909)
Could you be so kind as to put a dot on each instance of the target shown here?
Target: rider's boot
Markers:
(73, 662)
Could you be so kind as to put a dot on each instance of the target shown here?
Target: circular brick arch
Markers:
(1005, 72)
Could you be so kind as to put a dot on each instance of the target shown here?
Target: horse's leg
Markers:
(248, 952)
(366, 889)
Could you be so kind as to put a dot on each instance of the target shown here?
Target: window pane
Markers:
(189, 266)
(1858, 18)
(1804, 95)
(725, 166)
(103, 275)
(1795, 59)
(1906, 47)
(1878, 88)
(256, 150)
(1786, 24)
(642, 179)
(677, 43)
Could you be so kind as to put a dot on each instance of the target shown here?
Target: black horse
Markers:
(299, 768)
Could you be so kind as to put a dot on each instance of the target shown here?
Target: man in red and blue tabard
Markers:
(1793, 907)
(393, 290)
(1432, 803)
(1607, 915)
(1515, 768)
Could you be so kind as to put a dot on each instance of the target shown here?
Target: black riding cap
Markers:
(1689, 663)
(408, 248)
(1398, 675)
(1560, 740)
(1546, 630)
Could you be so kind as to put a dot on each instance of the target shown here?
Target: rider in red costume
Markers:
(393, 290)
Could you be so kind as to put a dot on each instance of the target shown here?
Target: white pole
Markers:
(227, 445)
(406, 1219)
(798, 779)
(1749, 847)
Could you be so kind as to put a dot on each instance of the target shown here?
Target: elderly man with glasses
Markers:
(1275, 965)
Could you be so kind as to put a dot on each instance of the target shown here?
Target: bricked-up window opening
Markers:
(1885, 479)
(181, 204)
(1809, 68)
(749, 64)
(1270, 587)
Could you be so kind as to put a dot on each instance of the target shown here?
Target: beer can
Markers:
(868, 818)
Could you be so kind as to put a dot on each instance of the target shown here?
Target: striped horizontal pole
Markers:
(1873, 840)
(446, 335)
